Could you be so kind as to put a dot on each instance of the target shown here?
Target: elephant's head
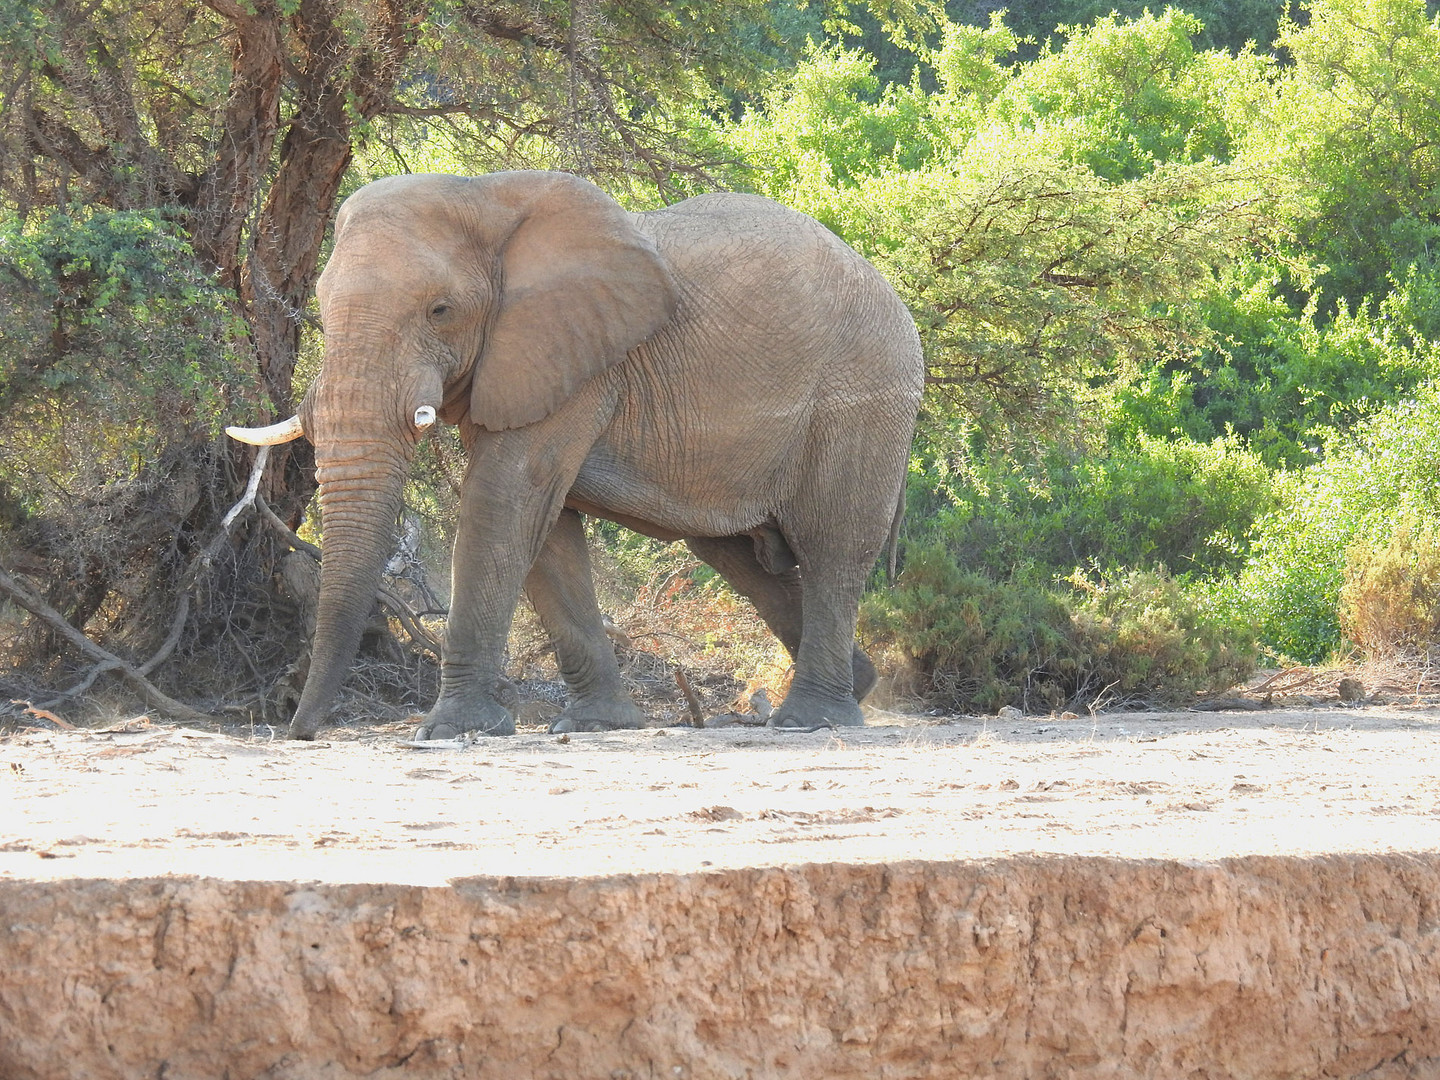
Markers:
(485, 301)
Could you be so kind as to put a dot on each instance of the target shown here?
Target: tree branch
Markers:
(41, 610)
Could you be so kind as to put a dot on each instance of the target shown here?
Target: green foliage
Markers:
(1122, 96)
(1146, 635)
(979, 643)
(1228, 25)
(119, 358)
(1037, 238)
(1357, 122)
(1282, 379)
(828, 127)
(1385, 473)
(1144, 502)
(112, 340)
(1030, 275)
(975, 643)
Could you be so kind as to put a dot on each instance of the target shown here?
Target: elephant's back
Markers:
(760, 273)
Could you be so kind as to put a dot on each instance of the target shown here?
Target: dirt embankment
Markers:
(1157, 895)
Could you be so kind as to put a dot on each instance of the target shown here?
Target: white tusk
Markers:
(424, 416)
(283, 432)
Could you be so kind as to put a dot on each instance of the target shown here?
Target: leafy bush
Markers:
(1123, 95)
(1355, 120)
(975, 643)
(1282, 379)
(1145, 635)
(118, 357)
(1384, 474)
(1138, 502)
(978, 644)
(1044, 223)
(110, 321)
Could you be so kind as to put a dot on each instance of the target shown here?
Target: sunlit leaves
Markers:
(112, 341)
(1358, 121)
(1033, 273)
(1122, 97)
(1384, 474)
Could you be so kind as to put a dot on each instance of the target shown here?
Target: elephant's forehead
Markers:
(389, 238)
(403, 196)
(384, 270)
(392, 222)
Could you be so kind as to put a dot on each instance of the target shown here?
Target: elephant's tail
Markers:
(892, 545)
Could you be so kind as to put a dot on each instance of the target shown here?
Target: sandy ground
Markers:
(361, 806)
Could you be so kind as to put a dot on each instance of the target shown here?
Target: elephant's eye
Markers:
(439, 309)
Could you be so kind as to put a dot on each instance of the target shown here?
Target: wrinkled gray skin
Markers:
(723, 371)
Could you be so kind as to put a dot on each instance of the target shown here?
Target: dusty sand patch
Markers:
(360, 807)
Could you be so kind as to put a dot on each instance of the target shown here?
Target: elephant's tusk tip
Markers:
(424, 416)
(283, 432)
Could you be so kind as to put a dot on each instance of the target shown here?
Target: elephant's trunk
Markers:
(360, 500)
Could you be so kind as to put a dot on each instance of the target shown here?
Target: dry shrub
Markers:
(1142, 635)
(668, 613)
(1390, 598)
(969, 643)
(686, 615)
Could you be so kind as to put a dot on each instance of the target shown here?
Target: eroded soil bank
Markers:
(1152, 895)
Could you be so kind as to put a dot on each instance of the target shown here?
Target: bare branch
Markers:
(41, 610)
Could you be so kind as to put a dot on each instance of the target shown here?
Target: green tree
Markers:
(1038, 244)
(117, 357)
(1227, 25)
(1122, 96)
(1357, 123)
(1286, 380)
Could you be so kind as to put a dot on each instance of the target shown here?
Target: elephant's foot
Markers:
(606, 714)
(807, 709)
(864, 673)
(454, 717)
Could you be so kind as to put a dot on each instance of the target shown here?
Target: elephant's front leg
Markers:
(514, 488)
(563, 595)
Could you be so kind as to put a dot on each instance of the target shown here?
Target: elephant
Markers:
(723, 371)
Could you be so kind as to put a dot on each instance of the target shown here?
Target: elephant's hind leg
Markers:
(563, 595)
(823, 690)
(777, 597)
(836, 522)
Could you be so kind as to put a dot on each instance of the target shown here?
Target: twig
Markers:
(408, 619)
(41, 713)
(187, 582)
(252, 492)
(203, 560)
(697, 714)
(286, 533)
(663, 633)
(1310, 676)
(1098, 702)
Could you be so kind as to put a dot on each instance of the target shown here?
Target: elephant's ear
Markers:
(579, 287)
